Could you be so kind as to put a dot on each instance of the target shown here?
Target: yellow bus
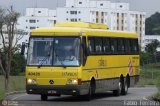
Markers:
(78, 58)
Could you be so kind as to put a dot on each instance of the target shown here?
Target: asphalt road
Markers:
(135, 96)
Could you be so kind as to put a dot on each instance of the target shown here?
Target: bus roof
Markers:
(81, 29)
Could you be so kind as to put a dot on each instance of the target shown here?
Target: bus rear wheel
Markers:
(44, 97)
(124, 87)
(117, 92)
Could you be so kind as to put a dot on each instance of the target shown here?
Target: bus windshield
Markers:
(55, 51)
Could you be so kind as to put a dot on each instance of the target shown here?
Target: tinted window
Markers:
(91, 45)
(121, 47)
(98, 45)
(106, 45)
(134, 46)
(127, 46)
(113, 45)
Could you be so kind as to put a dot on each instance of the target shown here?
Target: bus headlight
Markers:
(31, 81)
(72, 81)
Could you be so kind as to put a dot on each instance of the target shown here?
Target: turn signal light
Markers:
(79, 82)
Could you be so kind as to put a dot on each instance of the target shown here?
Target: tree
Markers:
(18, 64)
(8, 22)
(152, 48)
(153, 24)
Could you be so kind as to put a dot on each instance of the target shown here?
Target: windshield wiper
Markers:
(44, 59)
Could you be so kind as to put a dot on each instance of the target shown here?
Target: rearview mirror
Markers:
(23, 48)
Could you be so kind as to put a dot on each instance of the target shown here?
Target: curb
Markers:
(15, 92)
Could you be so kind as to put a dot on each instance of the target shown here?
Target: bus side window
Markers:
(91, 45)
(127, 46)
(106, 45)
(98, 45)
(135, 46)
(120, 46)
(114, 45)
(132, 46)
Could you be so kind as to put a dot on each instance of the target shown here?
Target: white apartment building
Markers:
(37, 17)
(116, 15)
(148, 39)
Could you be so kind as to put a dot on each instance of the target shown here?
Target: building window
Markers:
(74, 19)
(37, 20)
(102, 20)
(67, 19)
(26, 27)
(96, 20)
(80, 2)
(79, 12)
(32, 27)
(96, 13)
(54, 21)
(101, 4)
(26, 20)
(39, 11)
(73, 12)
(32, 21)
(67, 12)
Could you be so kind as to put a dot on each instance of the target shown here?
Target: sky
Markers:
(148, 6)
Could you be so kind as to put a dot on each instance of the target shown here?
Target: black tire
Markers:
(88, 97)
(124, 87)
(117, 92)
(44, 97)
(91, 91)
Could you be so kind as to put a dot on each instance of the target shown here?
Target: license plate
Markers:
(52, 92)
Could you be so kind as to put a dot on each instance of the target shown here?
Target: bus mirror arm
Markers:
(23, 48)
(87, 51)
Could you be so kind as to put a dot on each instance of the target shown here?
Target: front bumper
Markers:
(56, 90)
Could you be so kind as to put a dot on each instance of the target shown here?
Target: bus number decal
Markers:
(34, 74)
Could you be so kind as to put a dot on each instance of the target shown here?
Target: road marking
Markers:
(19, 96)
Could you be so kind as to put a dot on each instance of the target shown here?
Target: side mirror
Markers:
(85, 49)
(23, 48)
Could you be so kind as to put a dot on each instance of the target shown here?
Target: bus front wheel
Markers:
(91, 90)
(44, 97)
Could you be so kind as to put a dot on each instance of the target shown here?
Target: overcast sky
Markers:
(148, 6)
